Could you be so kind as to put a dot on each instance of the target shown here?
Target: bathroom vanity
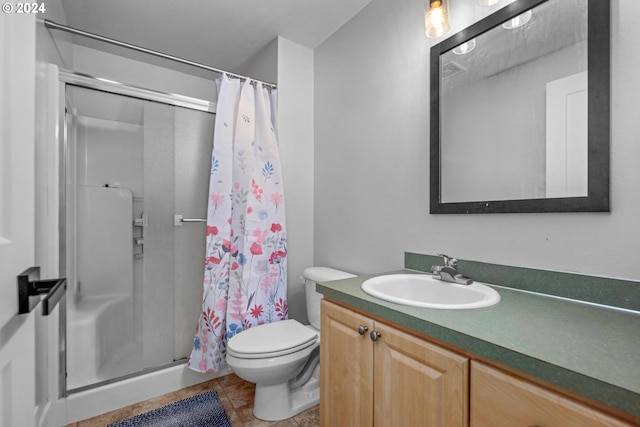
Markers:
(386, 380)
(387, 364)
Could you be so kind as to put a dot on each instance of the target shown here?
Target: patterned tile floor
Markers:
(235, 394)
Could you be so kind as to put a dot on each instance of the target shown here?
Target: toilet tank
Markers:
(313, 275)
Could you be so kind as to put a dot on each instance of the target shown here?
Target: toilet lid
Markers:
(272, 339)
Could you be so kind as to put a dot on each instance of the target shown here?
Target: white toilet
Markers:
(283, 358)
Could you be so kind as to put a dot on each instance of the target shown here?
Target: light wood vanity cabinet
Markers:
(499, 399)
(402, 380)
(396, 380)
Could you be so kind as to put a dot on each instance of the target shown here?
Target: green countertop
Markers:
(590, 350)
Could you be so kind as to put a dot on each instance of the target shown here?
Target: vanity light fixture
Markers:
(436, 21)
(488, 3)
(518, 21)
(465, 47)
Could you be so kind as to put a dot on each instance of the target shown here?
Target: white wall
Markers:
(263, 65)
(295, 127)
(372, 159)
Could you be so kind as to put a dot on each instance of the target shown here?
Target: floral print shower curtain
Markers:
(246, 245)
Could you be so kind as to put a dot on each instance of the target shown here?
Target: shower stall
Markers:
(136, 175)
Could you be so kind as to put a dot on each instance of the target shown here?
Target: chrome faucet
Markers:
(448, 272)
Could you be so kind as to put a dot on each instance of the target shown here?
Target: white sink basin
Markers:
(422, 290)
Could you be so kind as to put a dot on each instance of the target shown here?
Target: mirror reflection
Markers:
(514, 110)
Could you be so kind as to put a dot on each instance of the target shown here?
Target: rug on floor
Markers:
(203, 410)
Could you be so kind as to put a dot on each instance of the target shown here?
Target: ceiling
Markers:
(219, 33)
(554, 25)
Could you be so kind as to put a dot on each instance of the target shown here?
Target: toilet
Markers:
(283, 358)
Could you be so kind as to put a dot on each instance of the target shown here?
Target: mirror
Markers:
(520, 111)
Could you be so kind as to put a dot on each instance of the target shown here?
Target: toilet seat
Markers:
(272, 340)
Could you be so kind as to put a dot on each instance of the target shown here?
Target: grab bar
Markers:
(30, 288)
(178, 220)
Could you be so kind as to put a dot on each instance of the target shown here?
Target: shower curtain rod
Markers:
(54, 25)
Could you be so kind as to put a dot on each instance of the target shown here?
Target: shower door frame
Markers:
(72, 78)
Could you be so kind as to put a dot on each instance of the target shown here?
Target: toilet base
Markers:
(278, 402)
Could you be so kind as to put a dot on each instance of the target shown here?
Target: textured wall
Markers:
(372, 158)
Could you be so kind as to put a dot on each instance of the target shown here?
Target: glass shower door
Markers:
(135, 273)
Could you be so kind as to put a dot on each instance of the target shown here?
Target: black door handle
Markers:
(30, 287)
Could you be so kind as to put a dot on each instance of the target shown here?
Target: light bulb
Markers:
(518, 21)
(435, 19)
(488, 3)
(465, 47)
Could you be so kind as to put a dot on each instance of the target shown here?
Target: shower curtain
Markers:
(246, 254)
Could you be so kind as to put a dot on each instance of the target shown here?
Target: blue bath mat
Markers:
(203, 410)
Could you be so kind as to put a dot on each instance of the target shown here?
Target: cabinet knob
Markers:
(362, 329)
(375, 335)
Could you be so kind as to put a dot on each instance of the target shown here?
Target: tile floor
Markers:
(235, 394)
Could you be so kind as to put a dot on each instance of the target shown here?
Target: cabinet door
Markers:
(418, 383)
(346, 368)
(499, 399)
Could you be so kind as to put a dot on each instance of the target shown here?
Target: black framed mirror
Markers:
(520, 111)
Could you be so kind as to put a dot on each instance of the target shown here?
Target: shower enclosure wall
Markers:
(134, 167)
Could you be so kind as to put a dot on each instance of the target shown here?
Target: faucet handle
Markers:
(449, 261)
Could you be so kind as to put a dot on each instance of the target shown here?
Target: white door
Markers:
(17, 118)
(567, 137)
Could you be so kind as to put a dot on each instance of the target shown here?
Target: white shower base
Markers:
(100, 340)
(95, 326)
(90, 403)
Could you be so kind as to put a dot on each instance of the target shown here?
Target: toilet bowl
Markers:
(283, 358)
